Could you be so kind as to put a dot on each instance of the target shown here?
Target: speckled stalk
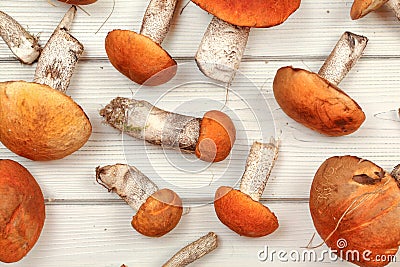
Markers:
(59, 56)
(221, 50)
(193, 251)
(343, 57)
(142, 120)
(394, 5)
(23, 44)
(128, 182)
(157, 19)
(259, 165)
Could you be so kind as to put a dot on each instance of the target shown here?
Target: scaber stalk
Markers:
(193, 251)
(60, 56)
(24, 45)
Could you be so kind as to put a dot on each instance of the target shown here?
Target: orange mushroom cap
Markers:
(22, 211)
(217, 136)
(353, 199)
(40, 123)
(139, 58)
(78, 2)
(242, 214)
(255, 13)
(360, 8)
(314, 102)
(160, 214)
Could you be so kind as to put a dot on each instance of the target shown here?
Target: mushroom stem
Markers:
(259, 164)
(128, 182)
(343, 57)
(157, 19)
(21, 43)
(59, 56)
(142, 120)
(193, 251)
(394, 5)
(221, 50)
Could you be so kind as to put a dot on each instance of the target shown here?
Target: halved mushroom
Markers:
(158, 211)
(140, 56)
(360, 8)
(210, 138)
(22, 211)
(355, 201)
(240, 210)
(37, 120)
(225, 39)
(314, 100)
(24, 45)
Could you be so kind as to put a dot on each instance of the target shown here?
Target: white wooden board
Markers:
(87, 226)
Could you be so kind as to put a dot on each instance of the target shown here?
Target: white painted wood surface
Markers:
(87, 226)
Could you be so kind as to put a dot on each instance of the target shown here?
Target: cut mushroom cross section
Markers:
(193, 251)
(225, 39)
(314, 100)
(240, 210)
(158, 211)
(23, 44)
(140, 56)
(360, 8)
(210, 138)
(33, 118)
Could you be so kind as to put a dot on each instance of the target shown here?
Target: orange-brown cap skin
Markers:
(78, 2)
(255, 13)
(242, 214)
(217, 136)
(40, 123)
(367, 199)
(139, 58)
(159, 214)
(22, 211)
(314, 102)
(360, 8)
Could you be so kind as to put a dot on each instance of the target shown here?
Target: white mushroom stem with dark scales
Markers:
(394, 5)
(128, 182)
(23, 44)
(157, 19)
(221, 50)
(59, 56)
(343, 57)
(259, 164)
(142, 120)
(193, 251)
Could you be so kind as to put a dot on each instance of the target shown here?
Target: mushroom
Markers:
(240, 210)
(354, 205)
(210, 138)
(38, 121)
(23, 44)
(314, 100)
(225, 39)
(360, 8)
(140, 56)
(22, 211)
(193, 251)
(158, 211)
(78, 2)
